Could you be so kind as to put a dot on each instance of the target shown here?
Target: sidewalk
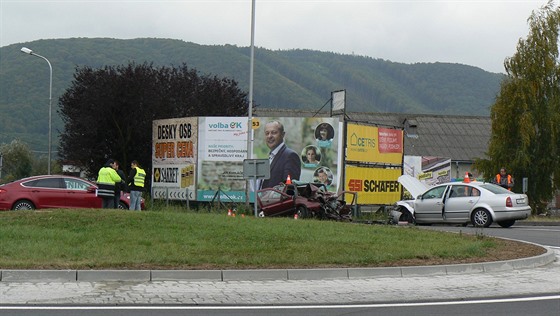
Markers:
(531, 276)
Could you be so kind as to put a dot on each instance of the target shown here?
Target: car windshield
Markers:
(435, 193)
(496, 189)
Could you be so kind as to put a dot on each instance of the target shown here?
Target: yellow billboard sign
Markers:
(374, 185)
(373, 144)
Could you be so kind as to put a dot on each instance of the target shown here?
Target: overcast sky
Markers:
(477, 33)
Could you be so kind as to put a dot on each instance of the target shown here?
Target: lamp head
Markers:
(26, 50)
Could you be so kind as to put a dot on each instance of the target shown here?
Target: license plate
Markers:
(521, 201)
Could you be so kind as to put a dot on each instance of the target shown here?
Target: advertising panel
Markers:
(374, 185)
(202, 157)
(428, 169)
(221, 151)
(373, 144)
(174, 147)
(311, 152)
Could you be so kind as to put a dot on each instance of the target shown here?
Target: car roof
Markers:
(42, 176)
(46, 176)
(416, 187)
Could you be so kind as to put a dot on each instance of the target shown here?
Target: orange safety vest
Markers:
(499, 180)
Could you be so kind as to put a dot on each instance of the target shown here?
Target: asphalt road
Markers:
(543, 235)
(538, 306)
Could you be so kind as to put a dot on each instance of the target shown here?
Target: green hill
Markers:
(298, 79)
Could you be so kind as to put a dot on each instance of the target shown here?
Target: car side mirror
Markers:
(419, 197)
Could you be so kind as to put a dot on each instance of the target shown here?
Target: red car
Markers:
(55, 191)
(307, 200)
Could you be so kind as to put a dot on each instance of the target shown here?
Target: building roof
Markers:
(461, 138)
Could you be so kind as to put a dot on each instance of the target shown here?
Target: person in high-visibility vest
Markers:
(136, 179)
(121, 186)
(107, 178)
(503, 179)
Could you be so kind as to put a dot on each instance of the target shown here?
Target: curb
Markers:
(270, 274)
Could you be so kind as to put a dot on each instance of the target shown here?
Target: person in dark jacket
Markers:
(136, 180)
(121, 186)
(504, 179)
(284, 161)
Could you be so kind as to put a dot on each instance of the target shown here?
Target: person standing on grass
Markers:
(107, 178)
(121, 186)
(136, 179)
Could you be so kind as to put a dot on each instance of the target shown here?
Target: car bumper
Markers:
(5, 206)
(512, 214)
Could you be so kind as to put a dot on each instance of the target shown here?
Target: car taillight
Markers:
(508, 202)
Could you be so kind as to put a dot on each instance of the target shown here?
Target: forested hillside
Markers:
(300, 79)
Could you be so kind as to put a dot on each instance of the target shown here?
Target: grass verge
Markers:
(102, 239)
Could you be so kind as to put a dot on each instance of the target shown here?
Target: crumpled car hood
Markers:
(412, 185)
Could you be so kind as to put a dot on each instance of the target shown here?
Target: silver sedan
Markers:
(479, 203)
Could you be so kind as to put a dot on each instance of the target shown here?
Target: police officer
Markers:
(107, 178)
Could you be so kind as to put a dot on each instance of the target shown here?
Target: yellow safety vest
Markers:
(139, 177)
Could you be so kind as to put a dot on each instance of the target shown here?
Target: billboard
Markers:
(371, 144)
(201, 158)
(374, 185)
(174, 147)
(221, 151)
(428, 169)
(316, 142)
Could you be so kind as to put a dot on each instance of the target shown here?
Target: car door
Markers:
(457, 204)
(273, 202)
(428, 206)
(80, 194)
(47, 192)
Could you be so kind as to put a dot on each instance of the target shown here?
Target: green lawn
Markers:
(101, 239)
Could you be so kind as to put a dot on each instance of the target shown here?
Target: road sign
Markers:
(256, 169)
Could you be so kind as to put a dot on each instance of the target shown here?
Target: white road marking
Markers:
(489, 301)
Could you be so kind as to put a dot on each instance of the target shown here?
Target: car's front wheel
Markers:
(406, 216)
(506, 224)
(301, 211)
(122, 206)
(23, 205)
(481, 218)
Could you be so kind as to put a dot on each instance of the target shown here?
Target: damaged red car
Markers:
(306, 200)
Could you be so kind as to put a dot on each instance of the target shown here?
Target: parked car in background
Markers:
(306, 200)
(53, 191)
(478, 203)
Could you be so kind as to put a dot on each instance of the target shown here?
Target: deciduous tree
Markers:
(17, 161)
(108, 112)
(526, 116)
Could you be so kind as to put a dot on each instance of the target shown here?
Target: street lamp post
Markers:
(250, 110)
(30, 52)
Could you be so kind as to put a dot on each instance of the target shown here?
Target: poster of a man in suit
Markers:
(283, 140)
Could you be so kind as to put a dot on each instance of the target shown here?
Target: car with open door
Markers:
(472, 202)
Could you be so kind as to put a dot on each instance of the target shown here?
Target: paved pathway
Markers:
(543, 280)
